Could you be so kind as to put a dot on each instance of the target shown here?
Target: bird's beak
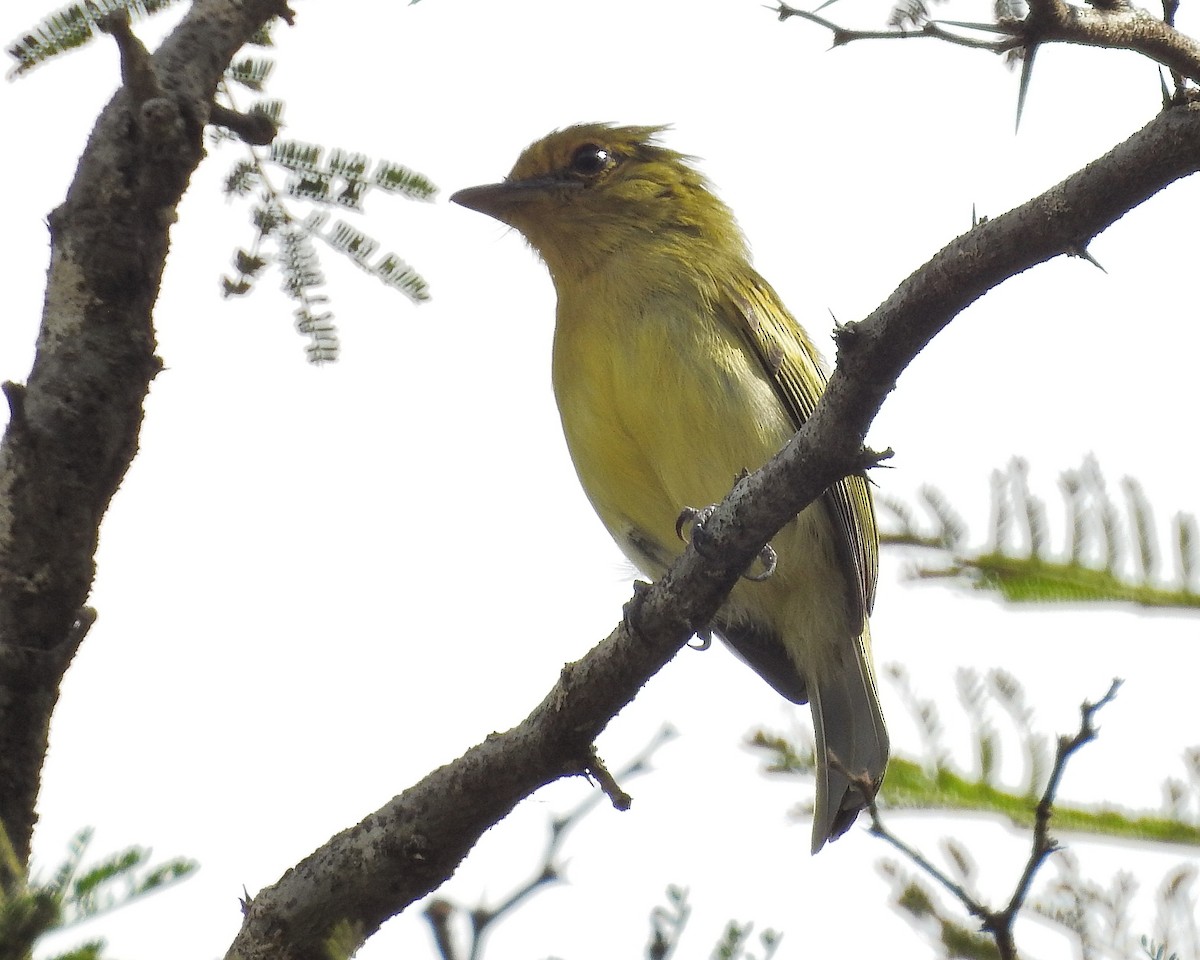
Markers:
(491, 198)
(503, 200)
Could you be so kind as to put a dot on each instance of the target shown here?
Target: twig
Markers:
(999, 923)
(1043, 843)
(928, 30)
(1120, 27)
(440, 912)
(607, 782)
(973, 906)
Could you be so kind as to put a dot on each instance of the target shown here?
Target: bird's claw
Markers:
(770, 560)
(693, 519)
(703, 638)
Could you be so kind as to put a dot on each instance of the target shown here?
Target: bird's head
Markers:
(584, 193)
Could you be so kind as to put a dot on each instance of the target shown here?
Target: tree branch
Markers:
(75, 425)
(1117, 25)
(999, 923)
(412, 844)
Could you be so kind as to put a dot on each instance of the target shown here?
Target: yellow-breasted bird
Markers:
(676, 367)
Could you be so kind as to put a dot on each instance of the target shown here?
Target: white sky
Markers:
(317, 584)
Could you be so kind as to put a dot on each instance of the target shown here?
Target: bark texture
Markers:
(74, 424)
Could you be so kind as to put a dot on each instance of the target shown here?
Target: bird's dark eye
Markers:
(590, 159)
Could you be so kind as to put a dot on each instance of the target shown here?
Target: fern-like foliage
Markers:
(282, 234)
(1086, 912)
(313, 176)
(909, 15)
(735, 940)
(933, 782)
(76, 893)
(1004, 10)
(359, 248)
(1157, 951)
(1109, 553)
(1097, 916)
(342, 180)
(301, 277)
(667, 924)
(71, 27)
(955, 937)
(264, 35)
(251, 72)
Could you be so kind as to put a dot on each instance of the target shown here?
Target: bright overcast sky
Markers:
(317, 584)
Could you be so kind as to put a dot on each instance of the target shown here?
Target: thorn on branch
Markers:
(256, 129)
(846, 336)
(1167, 97)
(1081, 251)
(1023, 89)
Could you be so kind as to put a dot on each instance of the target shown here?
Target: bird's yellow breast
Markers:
(644, 392)
(662, 408)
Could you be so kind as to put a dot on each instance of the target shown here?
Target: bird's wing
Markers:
(789, 361)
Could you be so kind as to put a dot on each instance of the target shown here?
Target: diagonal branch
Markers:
(413, 843)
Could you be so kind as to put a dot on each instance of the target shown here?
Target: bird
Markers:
(676, 368)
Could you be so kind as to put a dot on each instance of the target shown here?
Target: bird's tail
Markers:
(849, 728)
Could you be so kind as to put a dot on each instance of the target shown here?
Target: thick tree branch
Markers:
(1115, 25)
(75, 424)
(415, 842)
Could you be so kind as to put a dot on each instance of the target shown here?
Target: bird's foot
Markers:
(769, 560)
(692, 521)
